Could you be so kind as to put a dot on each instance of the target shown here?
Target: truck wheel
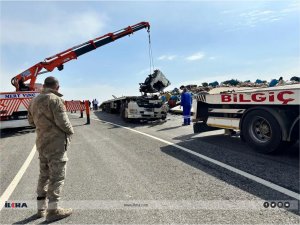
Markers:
(261, 131)
(196, 128)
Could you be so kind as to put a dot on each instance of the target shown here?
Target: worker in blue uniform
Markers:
(186, 103)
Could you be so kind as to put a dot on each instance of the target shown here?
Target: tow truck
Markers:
(266, 118)
(14, 105)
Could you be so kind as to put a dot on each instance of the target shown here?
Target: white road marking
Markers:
(223, 165)
(9, 190)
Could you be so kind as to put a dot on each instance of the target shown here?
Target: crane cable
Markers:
(150, 54)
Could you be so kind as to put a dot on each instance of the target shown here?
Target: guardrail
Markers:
(77, 105)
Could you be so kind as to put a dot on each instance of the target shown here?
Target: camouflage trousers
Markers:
(51, 178)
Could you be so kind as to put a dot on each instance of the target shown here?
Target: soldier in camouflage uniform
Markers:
(48, 114)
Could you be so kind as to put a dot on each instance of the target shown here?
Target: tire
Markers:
(262, 132)
(196, 128)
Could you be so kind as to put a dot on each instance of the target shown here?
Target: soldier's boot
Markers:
(41, 207)
(57, 214)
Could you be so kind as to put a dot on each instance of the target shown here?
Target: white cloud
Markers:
(167, 57)
(254, 17)
(195, 56)
(60, 29)
(293, 7)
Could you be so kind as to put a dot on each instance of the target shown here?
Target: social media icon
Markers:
(279, 204)
(273, 204)
(266, 204)
(287, 205)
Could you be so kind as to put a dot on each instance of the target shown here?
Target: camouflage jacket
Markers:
(47, 113)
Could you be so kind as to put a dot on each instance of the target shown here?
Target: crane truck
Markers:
(267, 118)
(14, 105)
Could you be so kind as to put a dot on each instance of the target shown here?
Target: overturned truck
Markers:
(144, 107)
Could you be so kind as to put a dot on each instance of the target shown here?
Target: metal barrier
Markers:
(77, 105)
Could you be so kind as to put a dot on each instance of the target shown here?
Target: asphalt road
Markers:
(116, 175)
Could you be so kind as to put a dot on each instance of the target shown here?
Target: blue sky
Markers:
(192, 42)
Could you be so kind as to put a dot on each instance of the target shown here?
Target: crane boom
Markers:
(58, 60)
